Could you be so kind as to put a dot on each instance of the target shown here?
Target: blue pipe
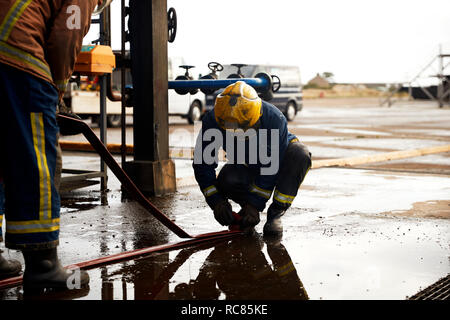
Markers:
(217, 84)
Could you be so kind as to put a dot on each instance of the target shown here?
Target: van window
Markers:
(290, 77)
(247, 71)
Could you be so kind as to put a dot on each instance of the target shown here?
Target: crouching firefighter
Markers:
(263, 159)
(39, 42)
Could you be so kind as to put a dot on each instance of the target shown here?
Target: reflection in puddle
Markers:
(237, 269)
(73, 204)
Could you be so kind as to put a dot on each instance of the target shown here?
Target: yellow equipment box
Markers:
(95, 60)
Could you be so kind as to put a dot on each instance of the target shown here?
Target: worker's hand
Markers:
(66, 127)
(250, 216)
(223, 213)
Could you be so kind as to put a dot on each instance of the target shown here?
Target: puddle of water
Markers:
(360, 258)
(344, 257)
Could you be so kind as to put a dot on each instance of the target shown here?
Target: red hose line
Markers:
(127, 255)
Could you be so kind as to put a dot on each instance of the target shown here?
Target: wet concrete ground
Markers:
(379, 231)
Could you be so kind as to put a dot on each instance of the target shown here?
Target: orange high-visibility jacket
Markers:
(44, 37)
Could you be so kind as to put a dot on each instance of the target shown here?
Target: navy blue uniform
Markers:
(261, 186)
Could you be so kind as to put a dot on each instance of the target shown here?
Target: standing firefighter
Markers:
(39, 42)
(263, 158)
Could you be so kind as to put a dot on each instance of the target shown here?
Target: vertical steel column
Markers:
(103, 125)
(105, 39)
(123, 126)
(151, 170)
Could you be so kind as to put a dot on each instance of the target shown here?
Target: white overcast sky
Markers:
(358, 41)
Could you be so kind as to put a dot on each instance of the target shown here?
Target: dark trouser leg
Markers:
(234, 181)
(29, 132)
(293, 170)
(295, 166)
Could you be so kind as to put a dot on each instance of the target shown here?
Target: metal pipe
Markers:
(110, 93)
(105, 39)
(103, 125)
(123, 134)
(257, 83)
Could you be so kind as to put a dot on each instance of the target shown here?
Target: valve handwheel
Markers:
(239, 73)
(172, 24)
(215, 66)
(186, 76)
(276, 83)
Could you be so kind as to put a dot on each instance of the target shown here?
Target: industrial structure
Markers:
(151, 169)
(436, 71)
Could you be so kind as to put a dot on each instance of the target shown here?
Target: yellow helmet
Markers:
(238, 106)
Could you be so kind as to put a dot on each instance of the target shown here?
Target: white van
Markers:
(86, 103)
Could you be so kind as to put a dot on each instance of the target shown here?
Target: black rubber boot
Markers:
(273, 226)
(9, 268)
(44, 271)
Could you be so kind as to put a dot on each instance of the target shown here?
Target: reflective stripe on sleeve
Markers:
(11, 18)
(260, 192)
(210, 191)
(24, 57)
(61, 85)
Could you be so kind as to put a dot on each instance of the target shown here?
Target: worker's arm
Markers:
(70, 24)
(261, 190)
(205, 172)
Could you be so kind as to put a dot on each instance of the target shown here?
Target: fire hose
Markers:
(136, 194)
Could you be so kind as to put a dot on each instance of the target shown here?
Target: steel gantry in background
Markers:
(419, 86)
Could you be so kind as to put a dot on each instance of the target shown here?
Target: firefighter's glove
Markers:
(250, 216)
(67, 127)
(223, 213)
